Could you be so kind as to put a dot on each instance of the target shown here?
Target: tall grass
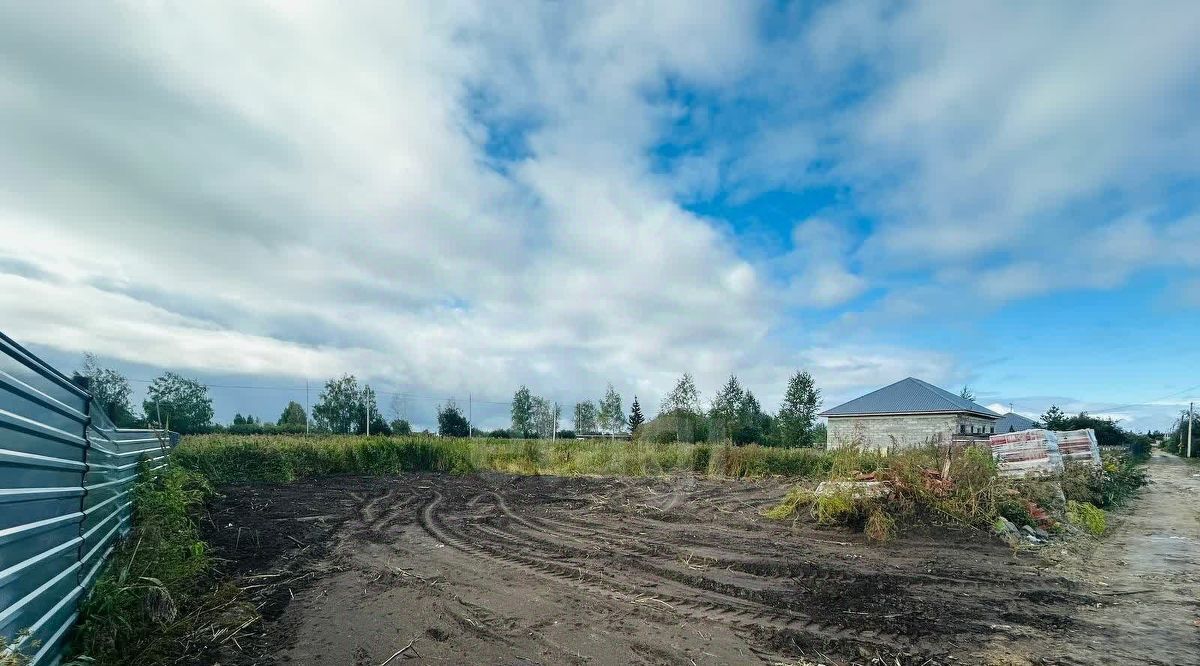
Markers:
(152, 592)
(962, 487)
(224, 458)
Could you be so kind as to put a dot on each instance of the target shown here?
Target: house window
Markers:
(993, 430)
(962, 429)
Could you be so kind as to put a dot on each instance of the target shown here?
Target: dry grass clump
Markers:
(936, 485)
(930, 484)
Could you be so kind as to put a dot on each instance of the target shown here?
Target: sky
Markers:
(449, 200)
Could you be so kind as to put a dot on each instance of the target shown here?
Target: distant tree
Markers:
(566, 434)
(545, 417)
(500, 433)
(451, 422)
(752, 425)
(238, 419)
(522, 413)
(183, 404)
(636, 418)
(611, 415)
(110, 390)
(293, 415)
(339, 405)
(726, 408)
(401, 427)
(797, 418)
(682, 407)
(966, 393)
(586, 416)
(368, 409)
(684, 398)
(820, 435)
(1054, 418)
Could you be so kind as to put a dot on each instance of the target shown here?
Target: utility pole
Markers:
(307, 408)
(368, 406)
(470, 415)
(554, 424)
(1191, 406)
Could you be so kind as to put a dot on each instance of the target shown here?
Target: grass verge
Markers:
(154, 594)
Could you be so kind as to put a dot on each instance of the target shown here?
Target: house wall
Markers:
(901, 431)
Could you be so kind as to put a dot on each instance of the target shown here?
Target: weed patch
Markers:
(153, 592)
(1086, 516)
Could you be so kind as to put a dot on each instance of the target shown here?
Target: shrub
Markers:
(1111, 484)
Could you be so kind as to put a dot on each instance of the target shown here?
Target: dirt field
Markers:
(545, 570)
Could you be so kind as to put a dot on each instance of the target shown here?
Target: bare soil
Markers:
(500, 569)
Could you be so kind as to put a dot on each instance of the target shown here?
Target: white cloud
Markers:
(304, 190)
(991, 142)
(818, 263)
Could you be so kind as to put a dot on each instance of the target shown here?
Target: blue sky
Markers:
(450, 201)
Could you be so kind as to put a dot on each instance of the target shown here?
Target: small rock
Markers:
(1041, 534)
(1028, 530)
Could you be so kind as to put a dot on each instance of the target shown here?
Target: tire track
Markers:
(741, 615)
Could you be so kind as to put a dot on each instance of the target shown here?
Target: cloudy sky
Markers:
(453, 198)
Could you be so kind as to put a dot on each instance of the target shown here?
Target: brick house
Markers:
(908, 413)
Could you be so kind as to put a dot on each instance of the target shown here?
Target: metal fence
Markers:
(66, 476)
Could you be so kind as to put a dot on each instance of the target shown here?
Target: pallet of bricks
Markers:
(1042, 452)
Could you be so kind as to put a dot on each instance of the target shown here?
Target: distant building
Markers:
(908, 413)
(1013, 422)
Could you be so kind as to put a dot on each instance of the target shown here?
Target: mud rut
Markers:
(684, 550)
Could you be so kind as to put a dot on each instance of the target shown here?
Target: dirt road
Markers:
(1147, 575)
(523, 570)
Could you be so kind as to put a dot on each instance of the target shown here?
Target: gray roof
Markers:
(910, 396)
(1013, 422)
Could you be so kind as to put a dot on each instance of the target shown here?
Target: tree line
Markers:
(733, 415)
(344, 406)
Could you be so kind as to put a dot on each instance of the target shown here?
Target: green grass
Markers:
(223, 458)
(153, 592)
(1087, 516)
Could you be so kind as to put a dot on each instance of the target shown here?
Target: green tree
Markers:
(182, 404)
(339, 406)
(611, 415)
(636, 418)
(451, 422)
(797, 419)
(522, 413)
(726, 408)
(110, 390)
(966, 393)
(1054, 418)
(682, 406)
(293, 415)
(586, 416)
(752, 426)
(401, 427)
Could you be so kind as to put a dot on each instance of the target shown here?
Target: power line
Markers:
(401, 394)
(1146, 402)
